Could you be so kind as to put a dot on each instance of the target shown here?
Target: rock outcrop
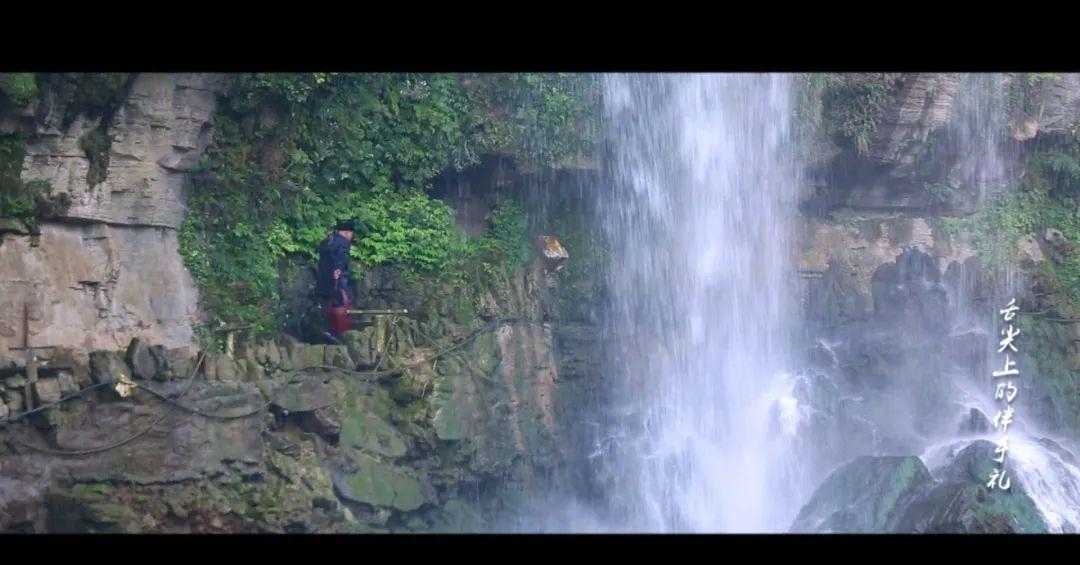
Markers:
(388, 432)
(106, 268)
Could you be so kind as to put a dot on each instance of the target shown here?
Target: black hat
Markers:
(349, 225)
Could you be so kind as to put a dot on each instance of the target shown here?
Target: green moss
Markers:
(1048, 198)
(19, 88)
(365, 431)
(92, 491)
(15, 202)
(863, 496)
(26, 201)
(1047, 341)
(95, 144)
(380, 484)
(971, 508)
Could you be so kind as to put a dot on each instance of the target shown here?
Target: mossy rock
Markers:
(311, 356)
(963, 503)
(456, 516)
(370, 433)
(89, 508)
(381, 484)
(304, 396)
(483, 353)
(453, 401)
(867, 495)
(971, 508)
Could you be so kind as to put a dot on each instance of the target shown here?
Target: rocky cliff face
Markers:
(452, 418)
(105, 267)
(435, 422)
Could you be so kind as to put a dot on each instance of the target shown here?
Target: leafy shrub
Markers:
(294, 153)
(853, 105)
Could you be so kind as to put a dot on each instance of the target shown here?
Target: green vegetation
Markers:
(14, 201)
(1049, 197)
(1024, 90)
(542, 119)
(95, 144)
(21, 200)
(293, 153)
(849, 105)
(94, 95)
(1044, 338)
(18, 88)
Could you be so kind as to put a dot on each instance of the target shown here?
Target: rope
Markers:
(438, 354)
(167, 400)
(125, 441)
(44, 407)
(174, 401)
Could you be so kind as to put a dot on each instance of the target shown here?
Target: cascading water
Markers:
(703, 193)
(705, 430)
(1049, 478)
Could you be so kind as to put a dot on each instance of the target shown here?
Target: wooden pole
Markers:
(31, 359)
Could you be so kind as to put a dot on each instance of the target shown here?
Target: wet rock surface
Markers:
(288, 437)
(962, 502)
(868, 495)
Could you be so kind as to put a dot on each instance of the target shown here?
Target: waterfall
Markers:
(700, 209)
(705, 423)
(1051, 479)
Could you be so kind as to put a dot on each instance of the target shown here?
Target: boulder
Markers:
(975, 423)
(338, 356)
(361, 346)
(13, 399)
(107, 367)
(47, 391)
(180, 362)
(161, 360)
(225, 368)
(380, 484)
(273, 355)
(962, 503)
(253, 371)
(11, 365)
(311, 356)
(367, 432)
(1060, 246)
(867, 495)
(1029, 252)
(143, 363)
(292, 352)
(1061, 451)
(306, 395)
(67, 383)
